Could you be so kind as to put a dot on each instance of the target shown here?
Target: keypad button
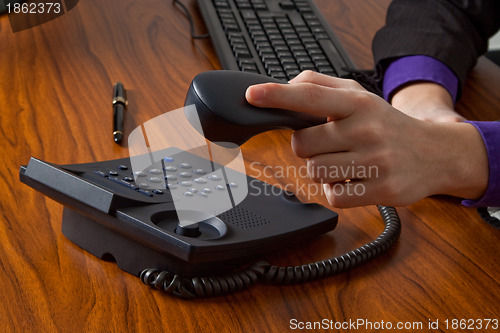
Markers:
(123, 167)
(113, 173)
(184, 165)
(170, 168)
(139, 174)
(206, 190)
(157, 191)
(170, 177)
(168, 159)
(220, 187)
(200, 172)
(123, 182)
(145, 192)
(188, 194)
(155, 180)
(186, 183)
(200, 180)
(185, 174)
(214, 177)
(155, 171)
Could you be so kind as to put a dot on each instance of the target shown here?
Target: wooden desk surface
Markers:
(55, 91)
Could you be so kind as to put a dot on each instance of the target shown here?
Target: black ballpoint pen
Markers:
(119, 105)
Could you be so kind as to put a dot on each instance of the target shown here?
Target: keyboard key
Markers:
(311, 45)
(307, 66)
(250, 68)
(318, 31)
(231, 27)
(275, 71)
(318, 57)
(221, 4)
(296, 19)
(282, 76)
(270, 63)
(293, 73)
(300, 54)
(314, 23)
(247, 14)
(278, 42)
(278, 74)
(287, 60)
(326, 70)
(301, 60)
(285, 54)
(290, 67)
(268, 56)
(246, 62)
(237, 41)
(242, 53)
(260, 6)
(287, 5)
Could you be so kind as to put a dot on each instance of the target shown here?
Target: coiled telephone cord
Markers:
(262, 271)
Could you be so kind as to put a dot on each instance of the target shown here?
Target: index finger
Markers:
(317, 100)
(325, 80)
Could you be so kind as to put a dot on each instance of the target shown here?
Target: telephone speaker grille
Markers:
(243, 218)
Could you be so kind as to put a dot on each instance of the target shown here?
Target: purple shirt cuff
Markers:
(490, 131)
(418, 68)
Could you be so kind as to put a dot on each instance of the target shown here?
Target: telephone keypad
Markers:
(182, 174)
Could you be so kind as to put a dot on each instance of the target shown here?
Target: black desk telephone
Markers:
(111, 208)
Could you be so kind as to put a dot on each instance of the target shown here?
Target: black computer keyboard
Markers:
(278, 38)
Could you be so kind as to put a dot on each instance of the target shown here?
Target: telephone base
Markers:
(132, 256)
(139, 231)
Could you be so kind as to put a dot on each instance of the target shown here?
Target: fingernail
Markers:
(256, 93)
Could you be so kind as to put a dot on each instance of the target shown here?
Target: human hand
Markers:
(409, 159)
(426, 101)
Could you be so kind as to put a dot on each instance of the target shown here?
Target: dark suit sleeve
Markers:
(454, 32)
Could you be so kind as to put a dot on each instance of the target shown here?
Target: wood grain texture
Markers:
(55, 94)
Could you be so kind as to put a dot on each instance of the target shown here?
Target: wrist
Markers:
(426, 101)
(418, 95)
(463, 162)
